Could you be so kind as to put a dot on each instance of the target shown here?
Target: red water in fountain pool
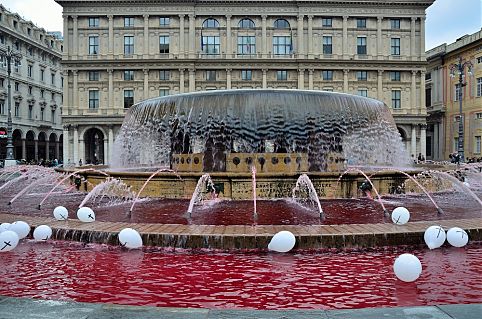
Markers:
(350, 279)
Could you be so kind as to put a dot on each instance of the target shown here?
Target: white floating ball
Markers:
(434, 237)
(61, 213)
(130, 238)
(467, 184)
(457, 237)
(42, 233)
(86, 215)
(282, 242)
(21, 228)
(8, 240)
(4, 227)
(400, 215)
(407, 267)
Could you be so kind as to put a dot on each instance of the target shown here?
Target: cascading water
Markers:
(198, 195)
(304, 192)
(114, 190)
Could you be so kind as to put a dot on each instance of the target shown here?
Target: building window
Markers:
(15, 24)
(395, 76)
(17, 109)
(210, 23)
(42, 93)
(93, 75)
(29, 31)
(17, 86)
(363, 92)
(2, 107)
(128, 44)
(164, 75)
(29, 70)
(246, 45)
(2, 39)
(326, 22)
(52, 78)
(361, 75)
(93, 44)
(30, 112)
(395, 46)
(246, 24)
(128, 98)
(93, 99)
(2, 82)
(128, 22)
(327, 45)
(41, 114)
(479, 59)
(396, 99)
(477, 145)
(282, 45)
(457, 92)
(479, 86)
(281, 24)
(327, 75)
(30, 51)
(164, 44)
(129, 75)
(164, 21)
(52, 114)
(16, 66)
(478, 116)
(163, 92)
(210, 44)
(395, 23)
(42, 75)
(361, 45)
(93, 22)
(361, 23)
(30, 89)
(282, 75)
(210, 75)
(246, 75)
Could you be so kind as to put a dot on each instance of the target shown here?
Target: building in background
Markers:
(117, 54)
(443, 103)
(36, 86)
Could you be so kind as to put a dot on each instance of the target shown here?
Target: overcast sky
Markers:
(447, 20)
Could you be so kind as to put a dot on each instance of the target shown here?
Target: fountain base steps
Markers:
(233, 237)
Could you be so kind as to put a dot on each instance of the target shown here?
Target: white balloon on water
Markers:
(8, 240)
(400, 215)
(407, 267)
(130, 238)
(457, 237)
(434, 237)
(86, 215)
(282, 241)
(42, 233)
(21, 228)
(4, 227)
(61, 213)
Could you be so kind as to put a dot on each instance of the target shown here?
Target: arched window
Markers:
(210, 23)
(281, 24)
(246, 24)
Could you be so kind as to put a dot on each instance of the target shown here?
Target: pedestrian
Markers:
(80, 162)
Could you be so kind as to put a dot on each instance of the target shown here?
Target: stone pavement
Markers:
(26, 308)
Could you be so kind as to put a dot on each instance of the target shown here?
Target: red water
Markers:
(348, 279)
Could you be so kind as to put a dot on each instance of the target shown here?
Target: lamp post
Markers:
(459, 69)
(11, 57)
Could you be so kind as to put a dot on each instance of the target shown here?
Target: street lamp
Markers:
(11, 57)
(459, 69)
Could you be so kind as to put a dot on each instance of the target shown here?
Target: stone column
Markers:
(229, 50)
(111, 88)
(345, 80)
(181, 35)
(192, 80)
(310, 37)
(75, 102)
(24, 148)
(265, 82)
(111, 36)
(146, 83)
(35, 144)
(412, 37)
(300, 37)
(423, 140)
(82, 151)
(75, 38)
(65, 142)
(66, 39)
(181, 80)
(422, 40)
(413, 91)
(380, 85)
(301, 79)
(76, 145)
(65, 90)
(228, 79)
(423, 107)
(379, 38)
(264, 44)
(436, 145)
(47, 146)
(345, 37)
(57, 149)
(111, 143)
(146, 35)
(310, 79)
(413, 142)
(192, 35)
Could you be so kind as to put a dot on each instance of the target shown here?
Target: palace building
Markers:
(36, 89)
(119, 52)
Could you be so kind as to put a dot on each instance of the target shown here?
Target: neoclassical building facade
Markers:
(117, 53)
(36, 86)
